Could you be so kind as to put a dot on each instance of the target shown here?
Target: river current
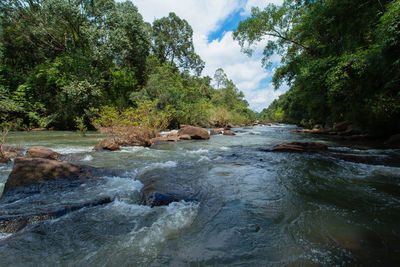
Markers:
(252, 208)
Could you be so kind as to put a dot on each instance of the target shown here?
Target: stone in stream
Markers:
(15, 223)
(107, 145)
(217, 131)
(42, 152)
(8, 152)
(300, 147)
(194, 132)
(229, 132)
(153, 197)
(38, 170)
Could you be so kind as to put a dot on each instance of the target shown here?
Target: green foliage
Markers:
(132, 125)
(340, 59)
(173, 41)
(80, 125)
(59, 59)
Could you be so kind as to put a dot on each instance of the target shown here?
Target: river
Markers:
(253, 208)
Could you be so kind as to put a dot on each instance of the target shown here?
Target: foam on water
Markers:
(4, 236)
(175, 217)
(204, 158)
(87, 158)
(160, 165)
(132, 149)
(71, 149)
(224, 148)
(199, 151)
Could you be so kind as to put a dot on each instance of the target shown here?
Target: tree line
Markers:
(62, 59)
(341, 60)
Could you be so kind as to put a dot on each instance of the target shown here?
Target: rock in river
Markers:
(229, 132)
(107, 145)
(37, 170)
(42, 152)
(300, 147)
(194, 132)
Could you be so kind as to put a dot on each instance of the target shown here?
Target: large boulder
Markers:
(107, 145)
(27, 171)
(194, 132)
(42, 152)
(300, 147)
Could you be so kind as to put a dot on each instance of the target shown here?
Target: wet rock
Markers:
(185, 137)
(393, 141)
(229, 126)
(229, 132)
(38, 170)
(107, 145)
(8, 152)
(194, 132)
(300, 147)
(217, 131)
(152, 197)
(341, 126)
(15, 223)
(42, 152)
(16, 149)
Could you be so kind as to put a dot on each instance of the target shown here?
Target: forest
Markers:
(63, 60)
(340, 59)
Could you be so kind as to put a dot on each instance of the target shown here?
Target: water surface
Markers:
(253, 208)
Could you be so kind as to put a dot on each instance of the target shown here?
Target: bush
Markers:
(132, 126)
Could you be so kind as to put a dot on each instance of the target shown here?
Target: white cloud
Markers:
(258, 3)
(207, 16)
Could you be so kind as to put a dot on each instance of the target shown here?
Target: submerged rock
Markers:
(194, 132)
(38, 170)
(107, 145)
(152, 197)
(42, 152)
(300, 147)
(15, 223)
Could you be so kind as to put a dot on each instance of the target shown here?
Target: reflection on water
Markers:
(254, 208)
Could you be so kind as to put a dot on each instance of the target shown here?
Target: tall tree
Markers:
(173, 42)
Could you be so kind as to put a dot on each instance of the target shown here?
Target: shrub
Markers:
(132, 126)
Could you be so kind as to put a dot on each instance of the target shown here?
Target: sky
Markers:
(213, 22)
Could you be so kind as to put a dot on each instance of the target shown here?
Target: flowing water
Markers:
(253, 208)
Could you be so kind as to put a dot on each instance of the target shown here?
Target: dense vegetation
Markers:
(341, 60)
(61, 58)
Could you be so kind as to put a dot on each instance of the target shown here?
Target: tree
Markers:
(338, 58)
(173, 42)
(220, 77)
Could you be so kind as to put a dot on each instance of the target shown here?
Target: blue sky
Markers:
(213, 22)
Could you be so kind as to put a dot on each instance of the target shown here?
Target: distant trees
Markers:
(340, 58)
(61, 58)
